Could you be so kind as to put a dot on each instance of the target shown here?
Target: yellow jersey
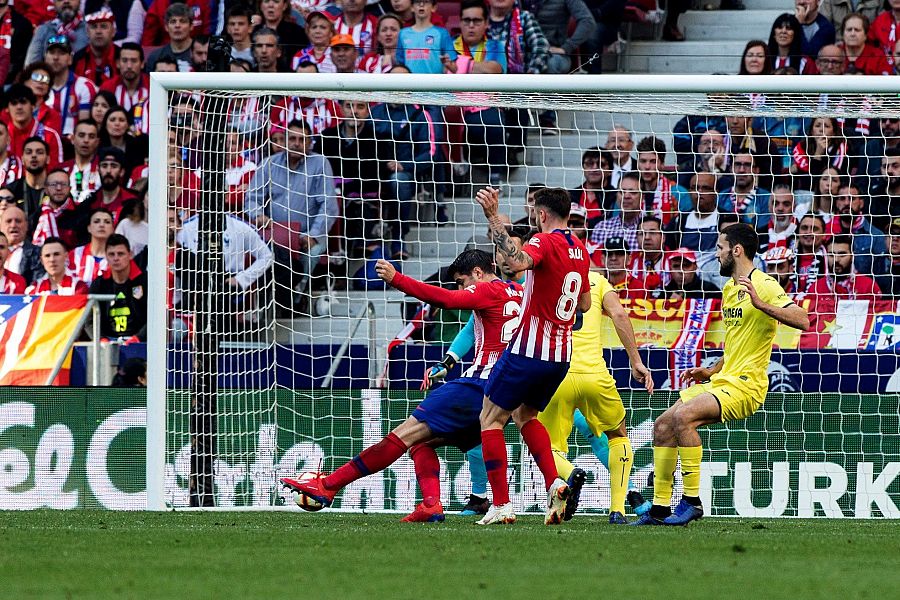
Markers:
(749, 332)
(587, 347)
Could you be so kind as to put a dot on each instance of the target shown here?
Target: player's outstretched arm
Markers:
(791, 315)
(616, 312)
(489, 200)
(467, 299)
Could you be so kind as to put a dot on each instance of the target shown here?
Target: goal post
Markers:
(812, 450)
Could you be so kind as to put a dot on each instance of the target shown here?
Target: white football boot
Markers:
(499, 515)
(556, 502)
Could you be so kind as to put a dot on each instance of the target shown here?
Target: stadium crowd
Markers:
(823, 192)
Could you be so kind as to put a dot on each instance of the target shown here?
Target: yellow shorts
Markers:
(736, 402)
(594, 394)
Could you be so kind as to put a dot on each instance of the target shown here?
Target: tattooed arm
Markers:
(516, 260)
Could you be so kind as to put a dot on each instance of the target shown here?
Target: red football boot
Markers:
(313, 487)
(425, 513)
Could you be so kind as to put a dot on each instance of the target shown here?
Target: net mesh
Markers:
(286, 354)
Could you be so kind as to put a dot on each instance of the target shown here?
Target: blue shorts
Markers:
(453, 412)
(517, 380)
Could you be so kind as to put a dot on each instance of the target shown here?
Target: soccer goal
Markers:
(275, 349)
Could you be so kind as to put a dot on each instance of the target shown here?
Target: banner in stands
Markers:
(833, 455)
(34, 331)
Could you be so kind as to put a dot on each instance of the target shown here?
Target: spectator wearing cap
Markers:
(237, 29)
(344, 54)
(421, 46)
(111, 195)
(15, 34)
(578, 226)
(157, 21)
(697, 230)
(890, 281)
(817, 29)
(869, 246)
(130, 85)
(130, 16)
(780, 262)
(746, 198)
(356, 22)
(615, 255)
(661, 197)
(594, 193)
(68, 23)
(276, 15)
(267, 51)
(20, 121)
(178, 20)
(70, 95)
(649, 262)
(630, 212)
(97, 62)
(320, 31)
(684, 280)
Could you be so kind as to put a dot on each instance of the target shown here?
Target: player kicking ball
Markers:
(450, 414)
(753, 303)
(536, 361)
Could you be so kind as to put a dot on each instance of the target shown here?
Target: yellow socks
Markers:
(690, 469)
(563, 466)
(620, 461)
(664, 462)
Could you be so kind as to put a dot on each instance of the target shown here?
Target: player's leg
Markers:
(693, 413)
(428, 476)
(557, 420)
(598, 441)
(536, 438)
(665, 459)
(621, 459)
(371, 460)
(478, 501)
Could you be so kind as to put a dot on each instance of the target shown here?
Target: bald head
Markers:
(12, 224)
(619, 143)
(831, 60)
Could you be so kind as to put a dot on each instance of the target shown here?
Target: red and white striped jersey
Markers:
(496, 305)
(374, 63)
(124, 97)
(552, 290)
(238, 177)
(85, 180)
(77, 94)
(12, 283)
(319, 113)
(11, 169)
(69, 285)
(323, 63)
(364, 33)
(85, 265)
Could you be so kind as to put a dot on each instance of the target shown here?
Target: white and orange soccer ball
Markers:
(304, 501)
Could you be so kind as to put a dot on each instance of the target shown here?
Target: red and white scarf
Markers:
(6, 30)
(663, 205)
(68, 29)
(783, 237)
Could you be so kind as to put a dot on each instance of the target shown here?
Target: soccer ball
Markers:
(304, 501)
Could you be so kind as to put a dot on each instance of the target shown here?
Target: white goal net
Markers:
(275, 349)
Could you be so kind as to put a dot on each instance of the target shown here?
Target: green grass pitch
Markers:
(48, 554)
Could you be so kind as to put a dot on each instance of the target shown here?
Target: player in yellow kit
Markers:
(753, 303)
(589, 387)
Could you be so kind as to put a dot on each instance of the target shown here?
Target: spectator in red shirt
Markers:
(841, 282)
(58, 279)
(156, 32)
(626, 285)
(83, 170)
(11, 167)
(786, 46)
(57, 210)
(809, 251)
(10, 283)
(15, 35)
(861, 57)
(96, 63)
(883, 33)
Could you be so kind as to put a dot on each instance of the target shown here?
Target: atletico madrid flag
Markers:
(33, 335)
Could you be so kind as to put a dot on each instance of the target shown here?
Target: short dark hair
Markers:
(200, 39)
(891, 152)
(178, 9)
(20, 91)
(727, 219)
(261, 31)
(100, 209)
(300, 124)
(466, 262)
(117, 239)
(134, 46)
(55, 240)
(55, 170)
(467, 4)
(652, 144)
(842, 238)
(743, 234)
(535, 187)
(652, 219)
(37, 140)
(519, 233)
(165, 60)
(88, 121)
(239, 10)
(556, 200)
(630, 175)
(591, 154)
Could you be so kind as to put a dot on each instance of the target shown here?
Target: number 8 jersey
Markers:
(552, 289)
